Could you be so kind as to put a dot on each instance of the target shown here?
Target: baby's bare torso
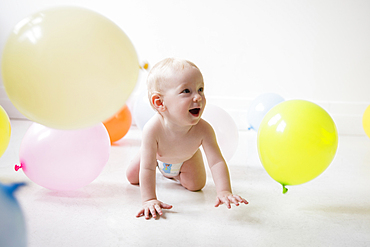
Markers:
(173, 147)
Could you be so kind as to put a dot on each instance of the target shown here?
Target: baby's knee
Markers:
(132, 178)
(132, 175)
(194, 185)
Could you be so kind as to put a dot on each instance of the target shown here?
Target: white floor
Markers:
(331, 210)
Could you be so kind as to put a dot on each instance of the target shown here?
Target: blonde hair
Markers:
(161, 71)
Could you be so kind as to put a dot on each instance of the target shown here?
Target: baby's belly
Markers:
(175, 157)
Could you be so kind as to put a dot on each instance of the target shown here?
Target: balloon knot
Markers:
(285, 190)
(250, 128)
(17, 167)
(145, 66)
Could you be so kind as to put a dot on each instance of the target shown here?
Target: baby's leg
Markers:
(192, 173)
(133, 170)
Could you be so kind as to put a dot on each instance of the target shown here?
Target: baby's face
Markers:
(184, 96)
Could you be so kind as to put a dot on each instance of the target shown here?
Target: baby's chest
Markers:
(178, 147)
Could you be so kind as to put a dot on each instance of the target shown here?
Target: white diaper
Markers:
(169, 170)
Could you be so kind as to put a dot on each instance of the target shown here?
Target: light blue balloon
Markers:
(12, 224)
(260, 106)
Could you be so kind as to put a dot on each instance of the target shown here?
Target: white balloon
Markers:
(227, 133)
(142, 111)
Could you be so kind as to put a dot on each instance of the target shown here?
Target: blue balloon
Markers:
(260, 106)
(12, 224)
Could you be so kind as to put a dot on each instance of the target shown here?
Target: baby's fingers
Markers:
(223, 200)
(227, 203)
(240, 199)
(218, 202)
(152, 212)
(166, 206)
(227, 200)
(147, 213)
(141, 213)
(233, 200)
(158, 209)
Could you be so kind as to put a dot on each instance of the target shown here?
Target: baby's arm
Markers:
(220, 172)
(147, 177)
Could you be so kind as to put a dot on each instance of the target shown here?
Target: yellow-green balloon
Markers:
(297, 140)
(5, 130)
(68, 67)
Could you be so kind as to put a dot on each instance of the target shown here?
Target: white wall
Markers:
(316, 50)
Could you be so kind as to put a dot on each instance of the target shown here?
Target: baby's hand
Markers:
(225, 197)
(152, 207)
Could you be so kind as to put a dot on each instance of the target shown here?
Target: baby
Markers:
(171, 139)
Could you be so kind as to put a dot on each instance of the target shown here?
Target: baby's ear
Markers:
(157, 102)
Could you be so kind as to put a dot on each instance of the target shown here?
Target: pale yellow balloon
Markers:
(68, 67)
(5, 130)
(366, 121)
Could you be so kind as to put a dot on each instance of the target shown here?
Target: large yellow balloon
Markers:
(297, 140)
(366, 121)
(5, 130)
(68, 67)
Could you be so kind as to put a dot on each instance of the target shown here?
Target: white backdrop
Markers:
(316, 50)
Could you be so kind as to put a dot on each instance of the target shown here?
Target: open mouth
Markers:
(195, 112)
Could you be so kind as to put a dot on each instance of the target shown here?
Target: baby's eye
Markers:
(201, 89)
(186, 91)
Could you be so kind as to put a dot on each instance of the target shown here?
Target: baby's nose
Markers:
(197, 98)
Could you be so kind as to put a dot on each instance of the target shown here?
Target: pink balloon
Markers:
(225, 128)
(64, 159)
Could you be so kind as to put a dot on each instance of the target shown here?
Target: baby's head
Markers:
(159, 74)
